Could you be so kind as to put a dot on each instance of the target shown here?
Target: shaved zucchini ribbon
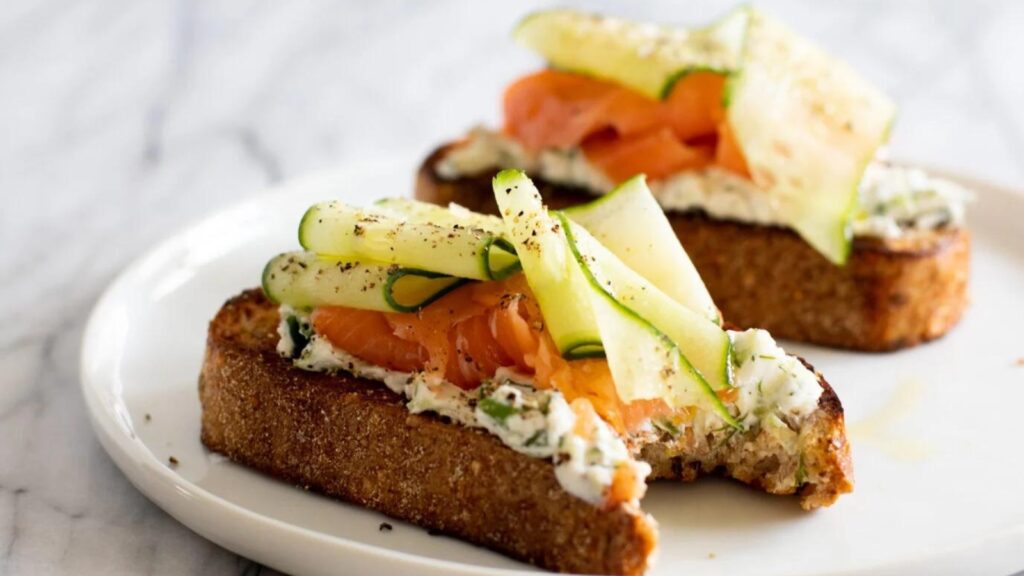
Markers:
(306, 280)
(399, 256)
(644, 57)
(429, 238)
(630, 223)
(634, 341)
(588, 296)
(550, 269)
(451, 215)
(704, 344)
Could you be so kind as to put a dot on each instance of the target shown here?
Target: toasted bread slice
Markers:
(355, 440)
(891, 294)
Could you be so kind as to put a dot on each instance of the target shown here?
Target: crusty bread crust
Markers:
(891, 294)
(355, 440)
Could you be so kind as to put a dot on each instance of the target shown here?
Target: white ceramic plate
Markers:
(936, 430)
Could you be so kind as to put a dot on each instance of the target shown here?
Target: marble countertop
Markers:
(122, 121)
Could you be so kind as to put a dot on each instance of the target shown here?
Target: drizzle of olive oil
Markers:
(877, 429)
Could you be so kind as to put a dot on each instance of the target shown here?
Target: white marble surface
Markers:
(121, 121)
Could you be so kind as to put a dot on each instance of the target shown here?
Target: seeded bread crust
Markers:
(892, 294)
(355, 440)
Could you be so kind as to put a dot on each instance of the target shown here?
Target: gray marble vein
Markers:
(121, 121)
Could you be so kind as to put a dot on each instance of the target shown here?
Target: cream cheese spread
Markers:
(893, 200)
(770, 382)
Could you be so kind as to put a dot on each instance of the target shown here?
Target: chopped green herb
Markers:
(299, 336)
(767, 356)
(539, 438)
(496, 410)
(730, 432)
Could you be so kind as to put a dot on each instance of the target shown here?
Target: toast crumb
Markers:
(173, 462)
(385, 527)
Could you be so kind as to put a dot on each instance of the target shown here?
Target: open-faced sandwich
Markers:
(513, 381)
(765, 152)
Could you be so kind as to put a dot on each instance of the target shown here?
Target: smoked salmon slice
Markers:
(366, 335)
(621, 131)
(471, 332)
(552, 108)
(657, 154)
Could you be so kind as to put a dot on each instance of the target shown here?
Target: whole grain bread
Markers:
(355, 440)
(893, 293)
